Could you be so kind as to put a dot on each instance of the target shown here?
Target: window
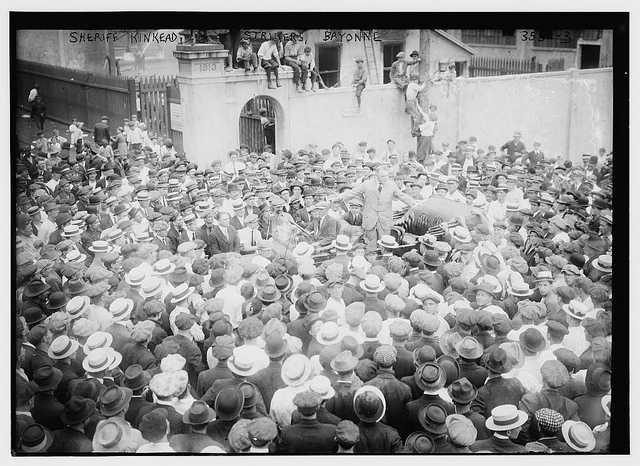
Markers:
(489, 36)
(460, 68)
(389, 52)
(328, 63)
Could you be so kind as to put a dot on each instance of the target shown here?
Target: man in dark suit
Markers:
(513, 146)
(269, 379)
(535, 156)
(222, 349)
(430, 378)
(379, 193)
(506, 422)
(308, 436)
(225, 238)
(46, 407)
(137, 380)
(101, 130)
(325, 227)
(72, 438)
(206, 231)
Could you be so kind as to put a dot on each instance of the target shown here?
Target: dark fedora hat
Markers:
(199, 413)
(35, 288)
(421, 443)
(430, 376)
(345, 361)
(135, 377)
(250, 395)
(114, 399)
(77, 409)
(314, 302)
(432, 418)
(462, 391)
(47, 377)
(450, 367)
(349, 343)
(229, 403)
(497, 361)
(269, 294)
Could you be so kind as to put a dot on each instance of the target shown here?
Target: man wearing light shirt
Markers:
(269, 57)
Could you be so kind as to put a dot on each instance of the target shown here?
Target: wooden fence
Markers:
(153, 102)
(174, 117)
(69, 93)
(251, 132)
(493, 66)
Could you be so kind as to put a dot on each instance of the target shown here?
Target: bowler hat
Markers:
(432, 418)
(229, 403)
(275, 346)
(532, 340)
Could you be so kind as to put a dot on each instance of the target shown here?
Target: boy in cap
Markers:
(549, 423)
(359, 80)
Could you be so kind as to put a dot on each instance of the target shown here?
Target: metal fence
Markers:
(494, 66)
(69, 93)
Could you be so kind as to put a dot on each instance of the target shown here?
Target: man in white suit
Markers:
(378, 193)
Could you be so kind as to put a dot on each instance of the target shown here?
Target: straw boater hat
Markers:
(372, 284)
(77, 306)
(243, 362)
(163, 267)
(341, 243)
(575, 309)
(329, 334)
(97, 340)
(388, 241)
(302, 249)
(62, 347)
(578, 436)
(296, 370)
(101, 359)
(121, 309)
(519, 289)
(603, 263)
(506, 417)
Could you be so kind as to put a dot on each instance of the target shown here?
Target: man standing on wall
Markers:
(378, 193)
(413, 89)
(513, 146)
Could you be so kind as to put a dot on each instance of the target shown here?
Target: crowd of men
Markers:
(157, 308)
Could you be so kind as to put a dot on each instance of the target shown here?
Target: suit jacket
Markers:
(203, 234)
(69, 440)
(377, 205)
(404, 362)
(590, 410)
(497, 445)
(46, 410)
(105, 222)
(495, 392)
(396, 393)
(121, 336)
(100, 132)
(235, 223)
(190, 351)
(135, 405)
(268, 380)
(326, 231)
(377, 438)
(208, 377)
(220, 243)
(174, 417)
(410, 421)
(309, 437)
(135, 353)
(219, 430)
(68, 374)
(323, 416)
(477, 375)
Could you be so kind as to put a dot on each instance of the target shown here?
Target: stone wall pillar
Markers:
(201, 77)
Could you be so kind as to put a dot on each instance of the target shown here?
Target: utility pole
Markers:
(423, 66)
(423, 144)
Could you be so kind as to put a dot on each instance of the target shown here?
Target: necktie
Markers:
(253, 241)
(379, 187)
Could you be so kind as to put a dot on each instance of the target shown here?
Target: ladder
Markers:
(370, 58)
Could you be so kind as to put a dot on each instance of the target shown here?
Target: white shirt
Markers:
(268, 51)
(282, 406)
(249, 237)
(233, 300)
(497, 211)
